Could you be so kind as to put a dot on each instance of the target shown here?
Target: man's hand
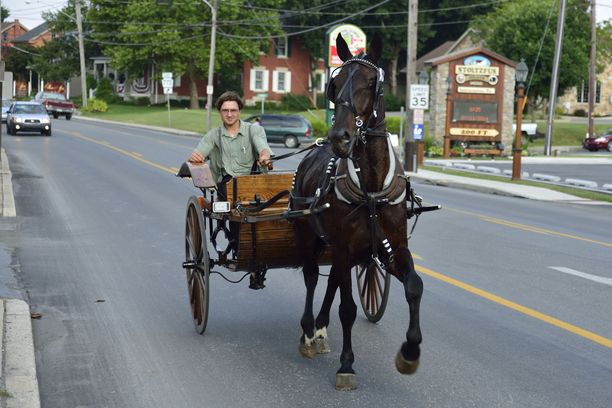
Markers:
(196, 157)
(264, 160)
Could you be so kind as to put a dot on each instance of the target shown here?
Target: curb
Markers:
(7, 201)
(18, 362)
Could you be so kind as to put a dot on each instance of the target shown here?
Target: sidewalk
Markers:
(18, 382)
(497, 187)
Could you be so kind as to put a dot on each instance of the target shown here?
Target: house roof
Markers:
(6, 25)
(464, 53)
(446, 48)
(33, 33)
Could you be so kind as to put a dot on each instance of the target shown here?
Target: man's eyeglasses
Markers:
(228, 111)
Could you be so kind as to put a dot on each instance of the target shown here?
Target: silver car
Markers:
(28, 117)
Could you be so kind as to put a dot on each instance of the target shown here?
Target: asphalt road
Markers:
(515, 311)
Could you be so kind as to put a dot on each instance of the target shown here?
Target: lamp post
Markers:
(449, 84)
(420, 151)
(521, 76)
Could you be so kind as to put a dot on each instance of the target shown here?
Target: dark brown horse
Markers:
(358, 174)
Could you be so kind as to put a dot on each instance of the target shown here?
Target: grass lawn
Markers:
(567, 190)
(179, 118)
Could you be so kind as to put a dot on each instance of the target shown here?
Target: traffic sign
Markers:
(417, 131)
(167, 75)
(419, 97)
(167, 91)
(167, 83)
(418, 116)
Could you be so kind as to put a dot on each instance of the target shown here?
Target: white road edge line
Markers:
(594, 278)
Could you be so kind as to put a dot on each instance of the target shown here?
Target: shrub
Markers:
(435, 151)
(95, 105)
(393, 103)
(319, 128)
(580, 112)
(393, 124)
(91, 82)
(295, 102)
(104, 91)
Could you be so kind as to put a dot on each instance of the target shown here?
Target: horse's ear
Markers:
(375, 50)
(343, 50)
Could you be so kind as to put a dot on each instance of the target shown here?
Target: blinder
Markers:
(330, 90)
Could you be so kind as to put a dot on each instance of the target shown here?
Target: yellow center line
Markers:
(519, 308)
(136, 156)
(529, 228)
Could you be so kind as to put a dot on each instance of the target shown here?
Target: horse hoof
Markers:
(322, 345)
(346, 382)
(404, 366)
(308, 351)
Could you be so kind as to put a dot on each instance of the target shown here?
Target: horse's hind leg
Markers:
(407, 359)
(345, 377)
(311, 276)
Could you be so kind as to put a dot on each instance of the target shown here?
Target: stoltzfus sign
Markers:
(355, 39)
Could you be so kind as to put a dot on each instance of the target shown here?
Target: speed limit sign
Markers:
(419, 97)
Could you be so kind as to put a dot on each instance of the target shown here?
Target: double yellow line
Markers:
(606, 342)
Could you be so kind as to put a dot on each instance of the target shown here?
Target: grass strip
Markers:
(590, 195)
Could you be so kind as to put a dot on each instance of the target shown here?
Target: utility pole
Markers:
(211, 63)
(77, 6)
(410, 146)
(592, 78)
(555, 78)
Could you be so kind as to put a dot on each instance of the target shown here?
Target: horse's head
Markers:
(356, 92)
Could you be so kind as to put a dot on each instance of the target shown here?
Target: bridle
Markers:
(363, 129)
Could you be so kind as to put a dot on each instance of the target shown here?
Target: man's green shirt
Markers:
(233, 155)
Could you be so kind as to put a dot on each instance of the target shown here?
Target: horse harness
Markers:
(345, 176)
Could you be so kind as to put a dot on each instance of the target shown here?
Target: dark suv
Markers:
(288, 129)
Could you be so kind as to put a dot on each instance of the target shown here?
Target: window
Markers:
(319, 82)
(281, 81)
(259, 79)
(582, 92)
(281, 47)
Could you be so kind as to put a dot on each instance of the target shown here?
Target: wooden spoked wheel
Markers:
(197, 264)
(373, 283)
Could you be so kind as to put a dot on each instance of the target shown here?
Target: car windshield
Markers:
(50, 95)
(29, 109)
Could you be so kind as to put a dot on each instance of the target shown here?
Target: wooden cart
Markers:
(250, 231)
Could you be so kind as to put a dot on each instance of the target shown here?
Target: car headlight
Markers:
(45, 120)
(18, 120)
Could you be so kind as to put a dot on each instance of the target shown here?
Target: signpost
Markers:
(419, 96)
(168, 84)
(263, 97)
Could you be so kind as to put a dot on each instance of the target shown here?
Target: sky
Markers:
(29, 11)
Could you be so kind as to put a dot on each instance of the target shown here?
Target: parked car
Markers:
(56, 104)
(6, 104)
(291, 130)
(28, 117)
(601, 141)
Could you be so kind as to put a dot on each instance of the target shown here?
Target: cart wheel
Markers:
(197, 264)
(373, 283)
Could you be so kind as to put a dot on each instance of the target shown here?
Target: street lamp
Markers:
(423, 78)
(520, 76)
(449, 87)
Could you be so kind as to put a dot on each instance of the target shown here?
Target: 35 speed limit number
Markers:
(419, 97)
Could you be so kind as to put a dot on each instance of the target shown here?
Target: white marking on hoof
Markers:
(307, 347)
(404, 366)
(346, 382)
(321, 342)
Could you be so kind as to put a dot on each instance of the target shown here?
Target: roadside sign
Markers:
(417, 131)
(419, 97)
(167, 75)
(167, 83)
(418, 115)
(167, 91)
(209, 89)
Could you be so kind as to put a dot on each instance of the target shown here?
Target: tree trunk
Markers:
(393, 70)
(193, 89)
(313, 80)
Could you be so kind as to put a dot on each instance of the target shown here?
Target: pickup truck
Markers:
(529, 131)
(56, 104)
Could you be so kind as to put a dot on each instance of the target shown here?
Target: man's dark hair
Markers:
(229, 96)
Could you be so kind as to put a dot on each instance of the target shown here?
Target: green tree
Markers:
(515, 30)
(176, 36)
(57, 60)
(4, 13)
(19, 59)
(604, 45)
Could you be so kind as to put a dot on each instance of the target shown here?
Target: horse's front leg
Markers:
(345, 377)
(322, 321)
(311, 276)
(407, 359)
